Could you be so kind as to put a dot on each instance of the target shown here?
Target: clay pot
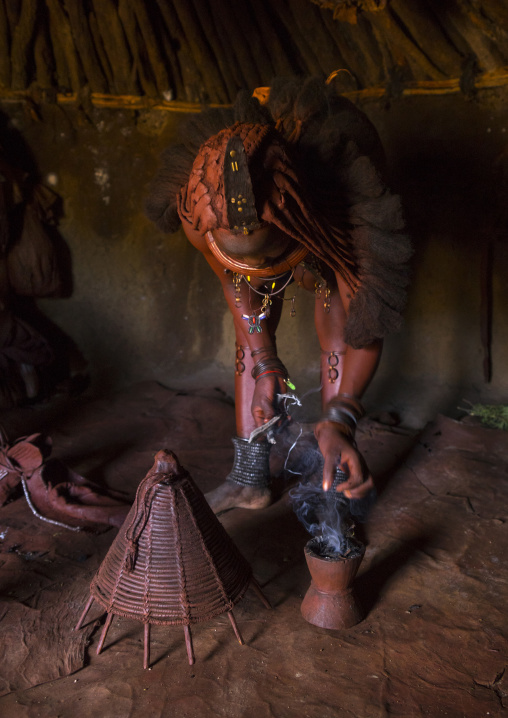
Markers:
(330, 601)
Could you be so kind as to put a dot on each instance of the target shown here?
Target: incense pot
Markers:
(330, 601)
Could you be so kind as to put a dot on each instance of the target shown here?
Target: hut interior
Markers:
(143, 350)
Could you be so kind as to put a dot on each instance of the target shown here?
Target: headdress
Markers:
(217, 180)
(205, 203)
(322, 153)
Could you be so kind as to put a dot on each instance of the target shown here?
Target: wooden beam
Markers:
(228, 47)
(389, 29)
(188, 12)
(139, 68)
(22, 43)
(424, 29)
(45, 69)
(84, 44)
(150, 40)
(101, 51)
(5, 48)
(116, 47)
(489, 80)
(69, 69)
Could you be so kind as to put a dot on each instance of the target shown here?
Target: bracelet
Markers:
(349, 399)
(271, 371)
(341, 416)
(345, 410)
(270, 350)
(270, 363)
(349, 403)
(251, 466)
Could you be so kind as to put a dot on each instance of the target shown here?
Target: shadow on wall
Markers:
(449, 164)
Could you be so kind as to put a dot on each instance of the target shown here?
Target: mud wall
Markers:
(146, 306)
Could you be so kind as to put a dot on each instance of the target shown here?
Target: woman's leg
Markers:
(248, 484)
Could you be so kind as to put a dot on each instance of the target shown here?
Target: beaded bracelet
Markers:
(251, 466)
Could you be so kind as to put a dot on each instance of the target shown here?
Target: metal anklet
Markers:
(251, 466)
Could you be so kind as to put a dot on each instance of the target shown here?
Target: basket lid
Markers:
(172, 562)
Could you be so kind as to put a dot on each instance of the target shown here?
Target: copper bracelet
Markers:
(343, 428)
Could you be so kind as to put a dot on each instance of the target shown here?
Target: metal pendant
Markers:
(254, 321)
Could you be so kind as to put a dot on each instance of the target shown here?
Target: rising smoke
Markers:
(327, 515)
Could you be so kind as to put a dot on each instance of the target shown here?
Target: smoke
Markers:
(303, 458)
(325, 515)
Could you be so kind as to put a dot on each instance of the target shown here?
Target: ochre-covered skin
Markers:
(255, 401)
(294, 191)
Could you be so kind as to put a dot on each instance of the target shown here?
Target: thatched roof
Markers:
(131, 51)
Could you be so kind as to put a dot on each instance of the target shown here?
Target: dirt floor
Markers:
(433, 584)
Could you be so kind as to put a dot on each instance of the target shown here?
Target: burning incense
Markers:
(333, 555)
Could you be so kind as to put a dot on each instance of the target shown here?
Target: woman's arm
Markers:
(354, 370)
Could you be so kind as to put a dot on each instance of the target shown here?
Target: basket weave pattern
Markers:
(172, 562)
(187, 569)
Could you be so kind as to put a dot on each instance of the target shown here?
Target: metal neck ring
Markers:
(291, 260)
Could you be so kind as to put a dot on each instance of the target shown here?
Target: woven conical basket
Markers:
(172, 562)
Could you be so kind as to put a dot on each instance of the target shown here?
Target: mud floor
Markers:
(433, 584)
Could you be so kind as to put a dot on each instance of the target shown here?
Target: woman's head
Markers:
(281, 197)
(209, 200)
(313, 163)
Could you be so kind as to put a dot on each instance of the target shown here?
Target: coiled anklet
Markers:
(251, 466)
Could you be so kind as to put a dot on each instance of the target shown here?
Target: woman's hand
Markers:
(264, 401)
(339, 450)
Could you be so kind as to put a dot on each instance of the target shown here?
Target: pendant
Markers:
(326, 301)
(254, 322)
(237, 281)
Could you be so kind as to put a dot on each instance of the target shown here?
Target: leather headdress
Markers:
(323, 156)
(238, 192)
(217, 178)
(204, 204)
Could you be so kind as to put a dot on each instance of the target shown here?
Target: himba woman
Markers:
(287, 186)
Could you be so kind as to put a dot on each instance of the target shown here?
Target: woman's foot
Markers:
(231, 495)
